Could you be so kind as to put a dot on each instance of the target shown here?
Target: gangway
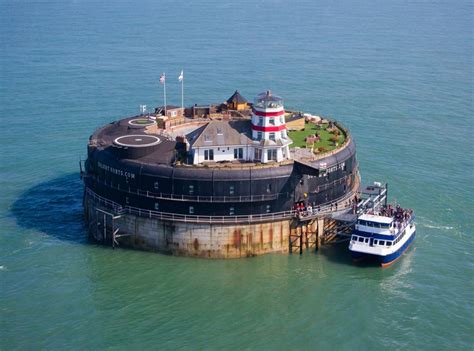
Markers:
(372, 197)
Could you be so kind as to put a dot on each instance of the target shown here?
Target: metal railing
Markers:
(320, 211)
(211, 198)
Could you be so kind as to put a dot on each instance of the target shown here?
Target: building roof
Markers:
(375, 218)
(236, 98)
(268, 96)
(221, 133)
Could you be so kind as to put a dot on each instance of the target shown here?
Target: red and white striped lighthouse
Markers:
(269, 128)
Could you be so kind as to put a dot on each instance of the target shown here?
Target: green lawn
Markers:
(299, 137)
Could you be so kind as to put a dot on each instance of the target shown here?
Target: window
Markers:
(375, 242)
(361, 240)
(231, 211)
(260, 121)
(382, 242)
(268, 209)
(157, 206)
(241, 153)
(191, 189)
(272, 155)
(389, 243)
(209, 155)
(191, 209)
(283, 134)
(366, 240)
(282, 119)
(219, 131)
(354, 238)
(259, 135)
(236, 153)
(156, 186)
(271, 121)
(231, 190)
(272, 136)
(269, 188)
(258, 154)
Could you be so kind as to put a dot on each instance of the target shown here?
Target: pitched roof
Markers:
(236, 97)
(221, 133)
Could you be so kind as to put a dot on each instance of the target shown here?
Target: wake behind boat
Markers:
(383, 234)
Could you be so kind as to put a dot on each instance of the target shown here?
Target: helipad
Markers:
(138, 140)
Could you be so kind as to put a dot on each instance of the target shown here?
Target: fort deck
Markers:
(212, 187)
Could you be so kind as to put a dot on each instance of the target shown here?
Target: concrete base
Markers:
(188, 239)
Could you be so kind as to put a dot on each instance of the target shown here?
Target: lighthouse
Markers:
(271, 142)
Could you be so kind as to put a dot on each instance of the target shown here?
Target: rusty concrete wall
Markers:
(192, 239)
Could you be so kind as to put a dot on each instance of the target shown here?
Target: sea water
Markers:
(398, 73)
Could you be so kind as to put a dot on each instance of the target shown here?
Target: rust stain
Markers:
(196, 244)
(237, 238)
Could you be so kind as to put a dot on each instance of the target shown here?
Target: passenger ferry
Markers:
(383, 235)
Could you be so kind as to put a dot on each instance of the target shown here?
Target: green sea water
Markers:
(398, 73)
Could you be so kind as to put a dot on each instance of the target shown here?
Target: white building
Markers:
(263, 139)
(221, 141)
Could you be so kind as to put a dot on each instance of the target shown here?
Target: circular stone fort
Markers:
(227, 180)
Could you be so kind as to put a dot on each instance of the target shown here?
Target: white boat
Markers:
(384, 235)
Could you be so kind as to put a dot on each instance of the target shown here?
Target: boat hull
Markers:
(388, 260)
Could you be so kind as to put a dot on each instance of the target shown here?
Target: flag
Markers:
(162, 78)
(181, 76)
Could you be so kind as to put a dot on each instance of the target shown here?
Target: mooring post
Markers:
(301, 240)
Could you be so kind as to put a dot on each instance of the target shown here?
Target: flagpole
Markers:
(164, 91)
(182, 95)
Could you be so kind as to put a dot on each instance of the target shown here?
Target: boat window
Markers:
(361, 239)
(382, 242)
(389, 243)
(354, 238)
(375, 242)
(366, 240)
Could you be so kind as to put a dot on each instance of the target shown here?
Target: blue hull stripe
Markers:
(385, 260)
